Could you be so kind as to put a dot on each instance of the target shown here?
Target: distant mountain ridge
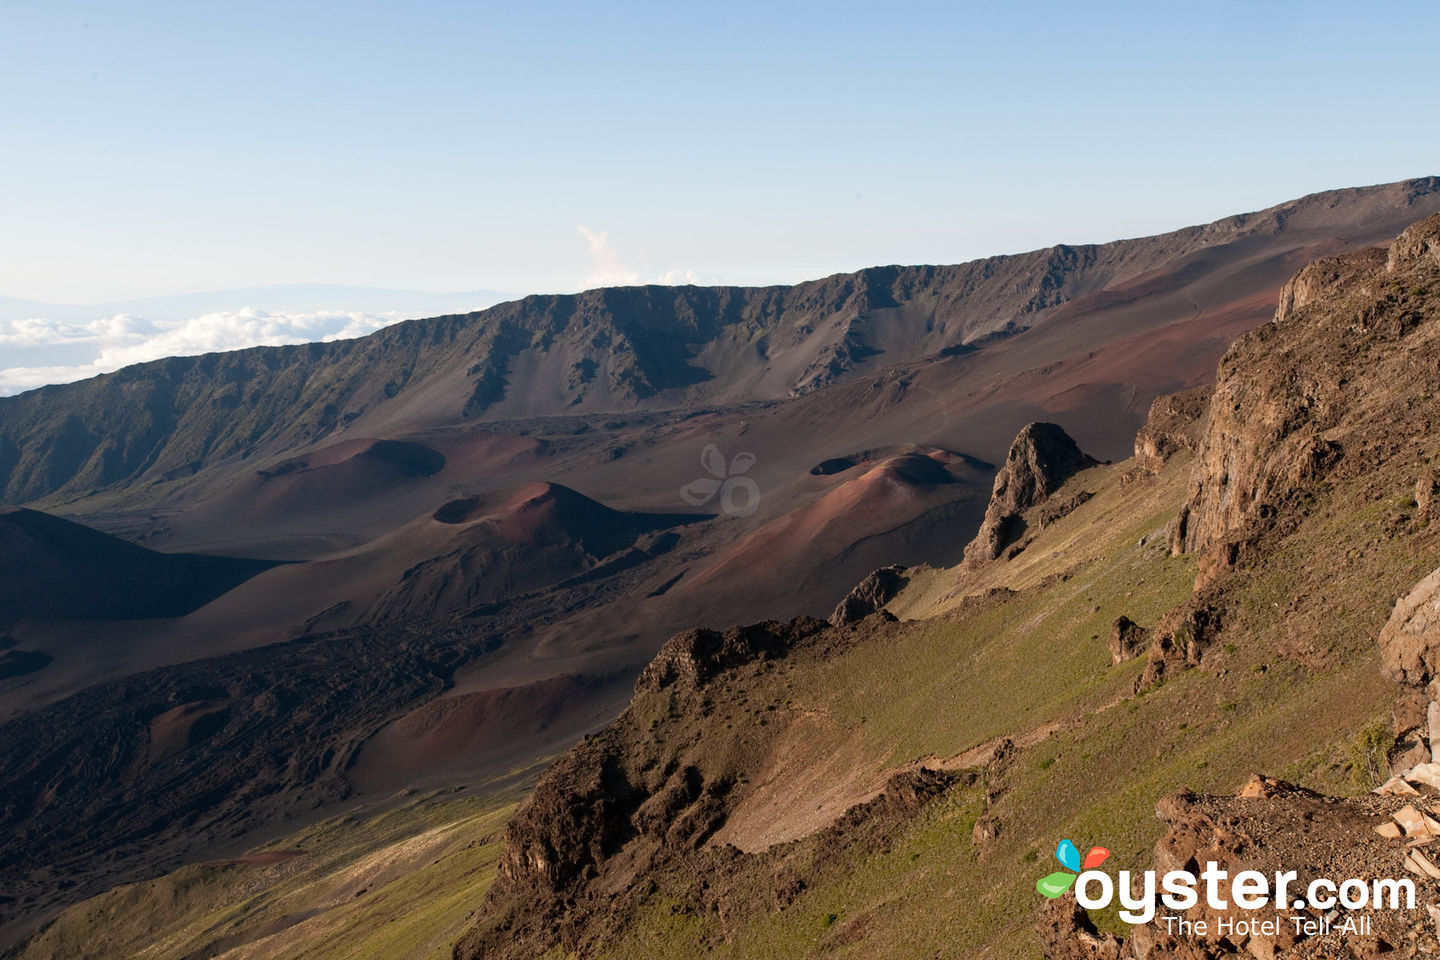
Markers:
(607, 350)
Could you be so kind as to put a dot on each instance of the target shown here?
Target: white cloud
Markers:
(109, 343)
(69, 346)
(676, 278)
(609, 269)
(19, 379)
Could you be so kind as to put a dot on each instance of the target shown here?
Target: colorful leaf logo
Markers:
(1068, 854)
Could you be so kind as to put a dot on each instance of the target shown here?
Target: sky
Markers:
(163, 148)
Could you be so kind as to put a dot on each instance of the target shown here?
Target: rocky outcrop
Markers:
(691, 658)
(1175, 423)
(1410, 727)
(579, 814)
(1057, 509)
(1067, 933)
(1177, 643)
(904, 795)
(1320, 278)
(620, 797)
(599, 799)
(1410, 639)
(1425, 490)
(1410, 655)
(870, 595)
(1127, 640)
(634, 810)
(1418, 244)
(1041, 458)
(1339, 375)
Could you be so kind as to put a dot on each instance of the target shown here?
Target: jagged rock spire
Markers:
(1042, 457)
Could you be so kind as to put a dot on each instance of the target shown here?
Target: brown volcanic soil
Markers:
(457, 559)
(351, 472)
(339, 496)
(871, 501)
(489, 729)
(341, 455)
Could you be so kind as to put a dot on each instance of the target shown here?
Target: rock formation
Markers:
(1127, 639)
(1410, 640)
(1418, 244)
(618, 809)
(1177, 643)
(1425, 489)
(1175, 423)
(1316, 385)
(693, 657)
(1410, 655)
(870, 595)
(1041, 458)
(1060, 509)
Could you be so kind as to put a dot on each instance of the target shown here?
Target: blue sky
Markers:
(166, 148)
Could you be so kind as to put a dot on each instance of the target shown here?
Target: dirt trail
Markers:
(806, 788)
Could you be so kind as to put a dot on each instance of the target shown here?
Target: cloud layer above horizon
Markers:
(38, 351)
(62, 344)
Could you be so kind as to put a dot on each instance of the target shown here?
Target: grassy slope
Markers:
(397, 885)
(1284, 694)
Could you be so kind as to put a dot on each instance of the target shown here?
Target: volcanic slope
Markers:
(894, 787)
(1092, 361)
(232, 455)
(54, 569)
(791, 788)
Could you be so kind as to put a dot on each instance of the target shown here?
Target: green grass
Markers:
(1301, 633)
(399, 884)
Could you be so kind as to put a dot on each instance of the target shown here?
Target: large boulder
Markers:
(1127, 640)
(1177, 643)
(1410, 639)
